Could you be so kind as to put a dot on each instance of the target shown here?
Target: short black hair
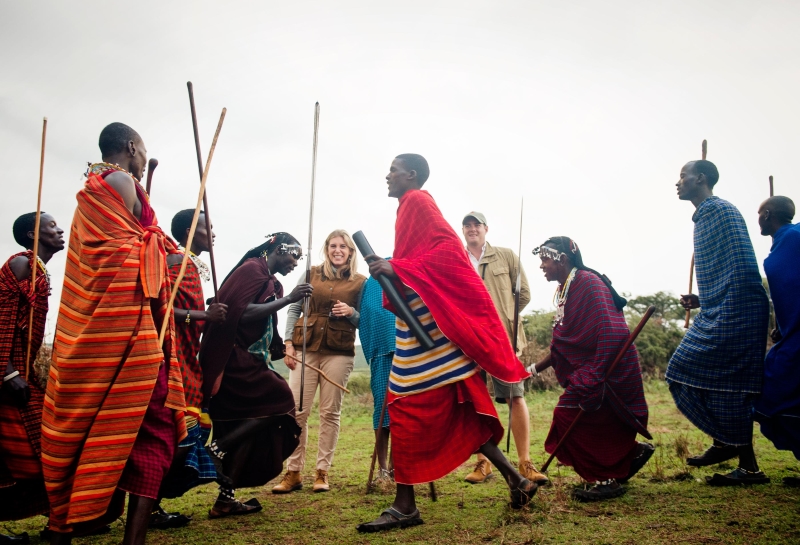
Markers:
(708, 169)
(418, 164)
(782, 207)
(181, 222)
(114, 138)
(24, 225)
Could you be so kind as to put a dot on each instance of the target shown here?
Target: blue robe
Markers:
(778, 409)
(377, 333)
(717, 371)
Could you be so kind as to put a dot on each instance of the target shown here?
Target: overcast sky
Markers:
(587, 109)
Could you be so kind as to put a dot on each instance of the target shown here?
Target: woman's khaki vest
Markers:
(329, 334)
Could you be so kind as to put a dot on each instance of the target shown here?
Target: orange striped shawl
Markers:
(106, 355)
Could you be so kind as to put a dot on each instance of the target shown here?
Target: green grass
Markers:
(666, 503)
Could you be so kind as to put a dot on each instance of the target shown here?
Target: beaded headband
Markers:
(546, 251)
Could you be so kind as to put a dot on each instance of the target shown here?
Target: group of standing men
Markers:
(122, 413)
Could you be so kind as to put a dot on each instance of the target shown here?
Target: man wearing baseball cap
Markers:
(497, 268)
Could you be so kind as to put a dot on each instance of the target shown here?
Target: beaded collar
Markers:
(99, 168)
(560, 298)
(202, 269)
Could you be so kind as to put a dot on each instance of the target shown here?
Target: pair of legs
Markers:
(338, 369)
(229, 445)
(405, 502)
(520, 428)
(137, 521)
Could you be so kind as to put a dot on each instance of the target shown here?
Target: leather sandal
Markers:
(738, 477)
(521, 495)
(393, 519)
(603, 490)
(644, 451)
(234, 508)
(161, 520)
(713, 455)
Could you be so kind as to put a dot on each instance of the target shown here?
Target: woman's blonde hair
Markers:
(347, 270)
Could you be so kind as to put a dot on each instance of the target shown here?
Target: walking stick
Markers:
(704, 149)
(205, 194)
(771, 187)
(515, 329)
(631, 337)
(307, 300)
(35, 260)
(380, 425)
(189, 239)
(321, 373)
(151, 167)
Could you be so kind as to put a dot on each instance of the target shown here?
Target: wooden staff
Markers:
(375, 449)
(35, 260)
(151, 167)
(318, 370)
(632, 337)
(191, 232)
(771, 187)
(704, 149)
(205, 195)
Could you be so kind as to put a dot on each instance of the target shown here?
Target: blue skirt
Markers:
(725, 416)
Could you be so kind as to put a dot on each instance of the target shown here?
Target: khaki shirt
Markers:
(498, 269)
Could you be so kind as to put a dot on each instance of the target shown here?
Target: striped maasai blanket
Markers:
(106, 356)
(430, 258)
(416, 370)
(20, 428)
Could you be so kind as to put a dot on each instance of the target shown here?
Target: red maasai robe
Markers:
(114, 403)
(22, 492)
(603, 443)
(187, 336)
(435, 431)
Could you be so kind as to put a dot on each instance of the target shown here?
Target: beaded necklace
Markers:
(97, 168)
(46, 272)
(560, 298)
(202, 268)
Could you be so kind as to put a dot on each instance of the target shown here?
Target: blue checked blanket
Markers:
(724, 348)
(376, 325)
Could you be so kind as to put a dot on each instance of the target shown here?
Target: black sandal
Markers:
(713, 455)
(793, 482)
(396, 520)
(521, 495)
(738, 477)
(161, 520)
(234, 508)
(644, 453)
(603, 490)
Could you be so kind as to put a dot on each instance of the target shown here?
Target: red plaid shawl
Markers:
(187, 336)
(106, 356)
(15, 307)
(431, 259)
(585, 344)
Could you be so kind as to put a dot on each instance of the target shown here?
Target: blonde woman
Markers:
(330, 346)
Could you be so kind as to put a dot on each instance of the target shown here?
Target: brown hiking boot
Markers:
(291, 481)
(321, 482)
(481, 473)
(529, 471)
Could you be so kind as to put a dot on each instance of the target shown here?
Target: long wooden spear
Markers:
(515, 328)
(205, 194)
(35, 260)
(771, 187)
(307, 300)
(189, 239)
(621, 354)
(151, 168)
(691, 266)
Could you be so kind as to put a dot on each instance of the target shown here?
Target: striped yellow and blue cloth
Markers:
(416, 370)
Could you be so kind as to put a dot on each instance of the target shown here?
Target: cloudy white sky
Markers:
(587, 109)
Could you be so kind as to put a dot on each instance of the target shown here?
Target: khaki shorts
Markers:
(505, 390)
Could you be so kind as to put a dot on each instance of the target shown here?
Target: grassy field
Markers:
(665, 503)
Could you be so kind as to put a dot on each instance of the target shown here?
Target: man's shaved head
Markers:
(774, 213)
(781, 207)
(418, 164)
(115, 137)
